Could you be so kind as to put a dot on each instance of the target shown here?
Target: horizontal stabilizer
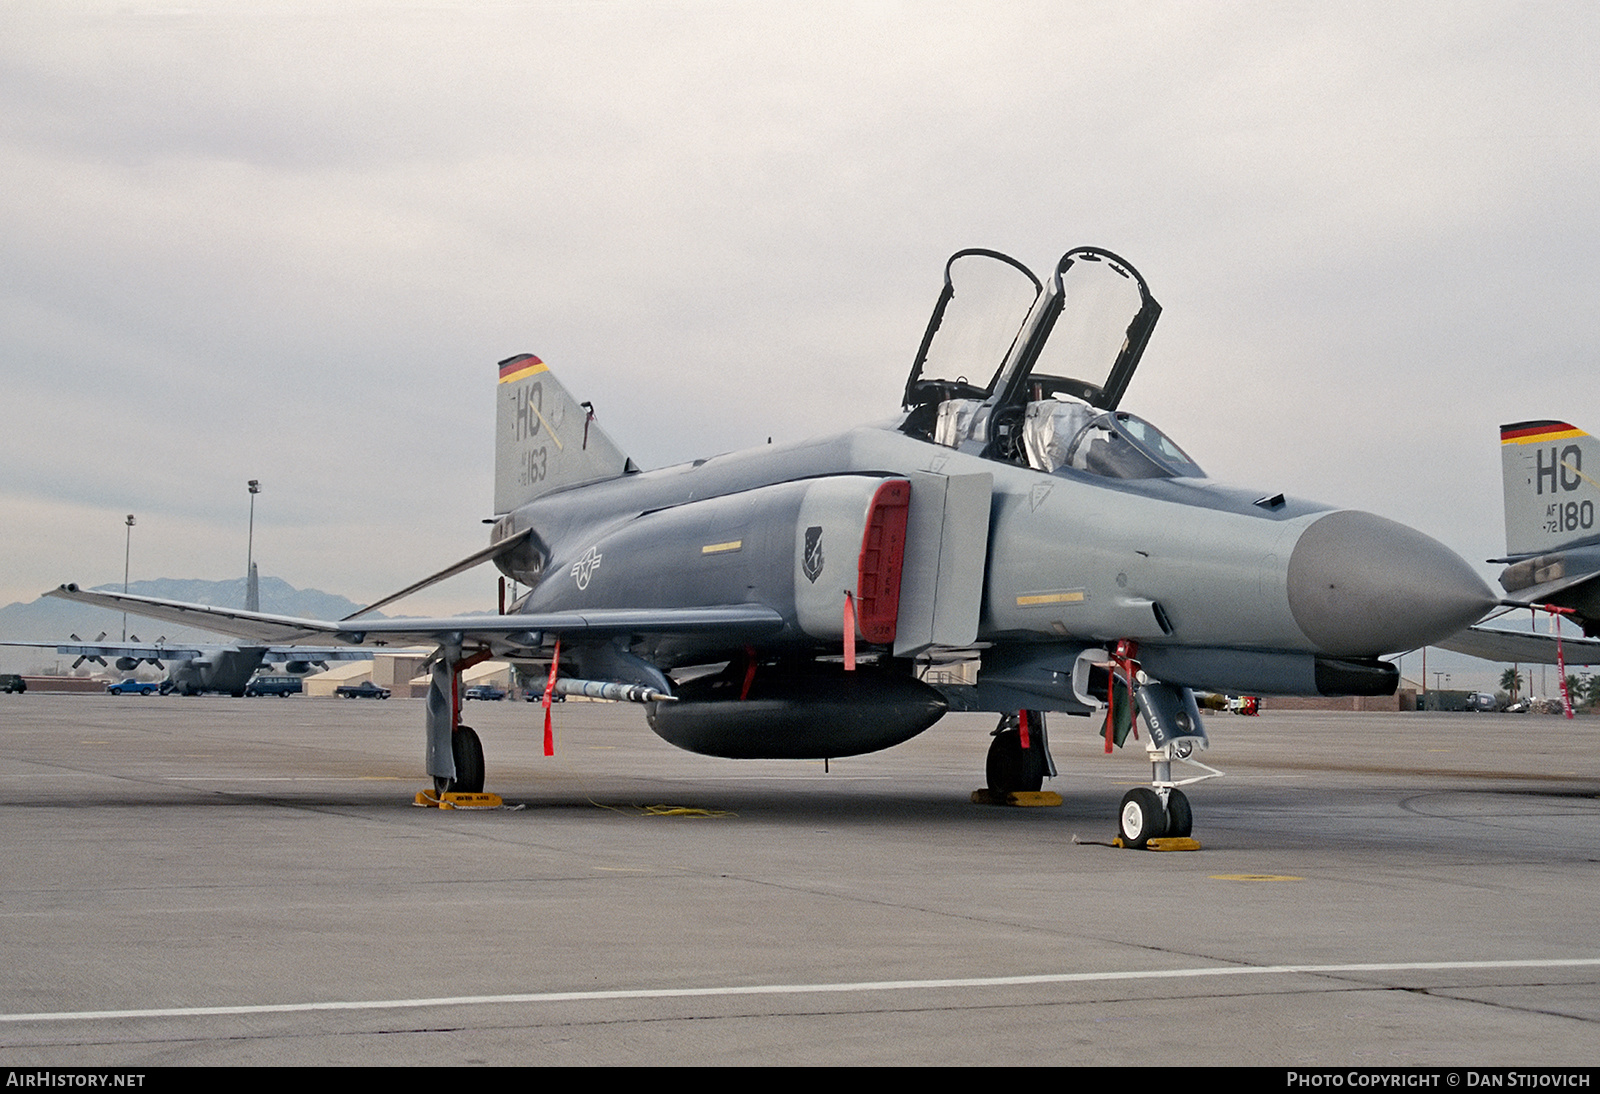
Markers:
(1521, 647)
(477, 558)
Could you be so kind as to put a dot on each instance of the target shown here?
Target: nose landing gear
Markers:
(1159, 814)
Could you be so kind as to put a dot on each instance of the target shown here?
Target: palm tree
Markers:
(1511, 681)
(1574, 690)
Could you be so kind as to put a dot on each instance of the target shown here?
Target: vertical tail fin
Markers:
(544, 439)
(1550, 496)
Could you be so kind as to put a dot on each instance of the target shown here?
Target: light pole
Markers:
(251, 596)
(127, 553)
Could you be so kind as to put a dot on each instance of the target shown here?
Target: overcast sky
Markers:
(289, 242)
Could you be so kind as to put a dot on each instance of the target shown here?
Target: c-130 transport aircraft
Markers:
(780, 602)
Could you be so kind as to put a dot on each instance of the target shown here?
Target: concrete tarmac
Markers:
(221, 881)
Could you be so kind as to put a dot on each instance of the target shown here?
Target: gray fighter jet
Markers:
(1552, 560)
(1552, 540)
(784, 602)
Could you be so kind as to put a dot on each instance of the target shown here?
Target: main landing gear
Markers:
(454, 752)
(1012, 769)
(1019, 760)
(467, 751)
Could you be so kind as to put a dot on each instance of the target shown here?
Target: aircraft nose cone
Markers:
(1360, 586)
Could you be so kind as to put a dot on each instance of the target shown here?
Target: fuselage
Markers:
(1067, 557)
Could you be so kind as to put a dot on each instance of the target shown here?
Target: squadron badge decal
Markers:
(811, 561)
(584, 568)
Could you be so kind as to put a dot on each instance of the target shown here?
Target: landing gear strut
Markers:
(454, 753)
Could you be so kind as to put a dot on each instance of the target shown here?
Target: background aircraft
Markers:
(1552, 545)
(1552, 540)
(193, 669)
(779, 602)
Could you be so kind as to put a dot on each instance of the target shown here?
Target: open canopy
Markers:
(1025, 371)
(1000, 336)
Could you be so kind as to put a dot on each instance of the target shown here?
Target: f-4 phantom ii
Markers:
(780, 602)
(1552, 537)
(1552, 556)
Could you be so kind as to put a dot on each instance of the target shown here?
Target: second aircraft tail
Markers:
(1550, 497)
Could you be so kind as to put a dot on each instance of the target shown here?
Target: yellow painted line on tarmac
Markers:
(1255, 877)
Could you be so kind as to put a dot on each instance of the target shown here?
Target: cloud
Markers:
(289, 242)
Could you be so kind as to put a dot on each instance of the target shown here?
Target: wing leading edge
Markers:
(503, 632)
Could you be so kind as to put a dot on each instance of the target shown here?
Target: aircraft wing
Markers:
(739, 622)
(141, 650)
(1522, 647)
(148, 651)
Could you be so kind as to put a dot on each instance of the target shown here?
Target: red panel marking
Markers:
(883, 554)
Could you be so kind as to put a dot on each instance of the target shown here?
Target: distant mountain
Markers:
(50, 620)
(277, 596)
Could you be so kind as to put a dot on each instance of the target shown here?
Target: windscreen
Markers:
(1121, 446)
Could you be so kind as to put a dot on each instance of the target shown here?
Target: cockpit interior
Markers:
(1057, 358)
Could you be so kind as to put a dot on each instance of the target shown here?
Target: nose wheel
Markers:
(1144, 816)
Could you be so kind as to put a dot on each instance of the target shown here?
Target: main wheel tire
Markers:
(1012, 769)
(1141, 818)
(468, 752)
(1180, 818)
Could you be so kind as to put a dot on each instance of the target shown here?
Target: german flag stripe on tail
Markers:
(1538, 432)
(523, 364)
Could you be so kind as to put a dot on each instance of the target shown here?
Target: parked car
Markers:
(274, 685)
(364, 690)
(484, 691)
(131, 686)
(10, 681)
